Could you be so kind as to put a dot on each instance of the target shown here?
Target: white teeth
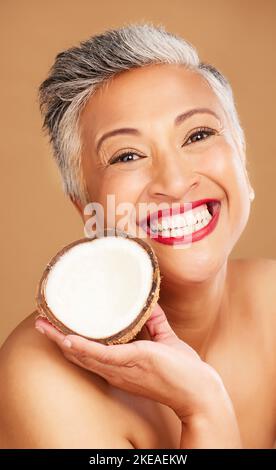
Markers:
(186, 230)
(189, 218)
(165, 224)
(177, 232)
(199, 226)
(179, 221)
(171, 223)
(182, 224)
(207, 217)
(189, 229)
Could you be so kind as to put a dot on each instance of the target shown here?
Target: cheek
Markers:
(238, 195)
(124, 186)
(119, 188)
(223, 165)
(218, 163)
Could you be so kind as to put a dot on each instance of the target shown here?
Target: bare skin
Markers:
(223, 309)
(243, 354)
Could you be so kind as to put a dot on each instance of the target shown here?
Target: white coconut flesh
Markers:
(97, 289)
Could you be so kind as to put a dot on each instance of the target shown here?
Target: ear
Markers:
(251, 191)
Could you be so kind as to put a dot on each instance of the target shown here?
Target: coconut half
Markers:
(103, 289)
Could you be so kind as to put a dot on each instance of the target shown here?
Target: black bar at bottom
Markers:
(120, 458)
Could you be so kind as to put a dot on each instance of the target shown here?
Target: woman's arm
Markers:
(216, 428)
(47, 402)
(166, 370)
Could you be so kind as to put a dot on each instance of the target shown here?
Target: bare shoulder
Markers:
(254, 265)
(259, 276)
(48, 402)
(255, 279)
(256, 276)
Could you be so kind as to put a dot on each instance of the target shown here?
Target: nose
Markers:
(172, 178)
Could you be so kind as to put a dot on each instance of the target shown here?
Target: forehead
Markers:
(151, 93)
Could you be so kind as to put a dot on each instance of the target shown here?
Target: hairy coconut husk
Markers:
(125, 335)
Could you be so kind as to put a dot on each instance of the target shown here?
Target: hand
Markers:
(165, 369)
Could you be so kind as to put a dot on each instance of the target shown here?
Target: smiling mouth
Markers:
(198, 220)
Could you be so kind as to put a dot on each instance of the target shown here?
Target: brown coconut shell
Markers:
(128, 333)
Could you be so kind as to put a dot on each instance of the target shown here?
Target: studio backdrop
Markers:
(237, 36)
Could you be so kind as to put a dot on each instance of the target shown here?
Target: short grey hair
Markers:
(79, 71)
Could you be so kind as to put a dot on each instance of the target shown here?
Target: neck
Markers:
(196, 310)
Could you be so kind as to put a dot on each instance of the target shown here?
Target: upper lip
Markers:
(179, 209)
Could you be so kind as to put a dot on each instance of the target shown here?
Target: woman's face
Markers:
(167, 162)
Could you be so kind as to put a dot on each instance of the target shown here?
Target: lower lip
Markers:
(194, 237)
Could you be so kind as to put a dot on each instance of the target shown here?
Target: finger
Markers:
(115, 354)
(160, 329)
(114, 375)
(161, 332)
(50, 331)
(80, 357)
(89, 365)
(83, 348)
(76, 345)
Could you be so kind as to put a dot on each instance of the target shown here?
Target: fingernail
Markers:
(38, 328)
(67, 343)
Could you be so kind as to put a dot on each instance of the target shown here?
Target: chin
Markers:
(191, 269)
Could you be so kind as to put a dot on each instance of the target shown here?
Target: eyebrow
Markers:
(178, 120)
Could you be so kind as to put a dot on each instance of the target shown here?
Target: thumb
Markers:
(160, 329)
(161, 332)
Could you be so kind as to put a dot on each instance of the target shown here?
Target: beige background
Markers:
(237, 36)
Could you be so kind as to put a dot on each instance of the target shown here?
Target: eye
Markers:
(123, 157)
(127, 157)
(201, 134)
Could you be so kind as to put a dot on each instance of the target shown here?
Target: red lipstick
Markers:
(214, 209)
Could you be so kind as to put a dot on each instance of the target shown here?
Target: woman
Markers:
(201, 373)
